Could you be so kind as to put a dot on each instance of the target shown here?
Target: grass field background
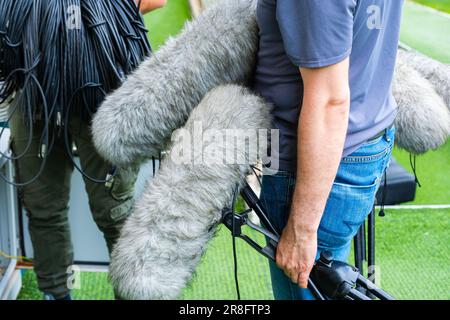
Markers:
(442, 5)
(167, 21)
(426, 31)
(412, 245)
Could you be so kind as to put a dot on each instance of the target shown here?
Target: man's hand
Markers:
(296, 253)
(321, 135)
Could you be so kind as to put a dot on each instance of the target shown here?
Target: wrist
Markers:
(305, 222)
(302, 229)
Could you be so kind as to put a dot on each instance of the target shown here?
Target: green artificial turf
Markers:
(167, 21)
(412, 245)
(442, 5)
(413, 253)
(412, 260)
(214, 278)
(412, 263)
(433, 172)
(426, 31)
(93, 286)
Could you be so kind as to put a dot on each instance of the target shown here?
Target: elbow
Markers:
(338, 107)
(341, 101)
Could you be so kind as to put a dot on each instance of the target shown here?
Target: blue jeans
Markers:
(350, 201)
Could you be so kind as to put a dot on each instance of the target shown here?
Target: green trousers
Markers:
(46, 200)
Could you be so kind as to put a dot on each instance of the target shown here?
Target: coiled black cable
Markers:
(51, 51)
(46, 141)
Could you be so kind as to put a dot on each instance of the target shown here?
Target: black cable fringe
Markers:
(66, 44)
(60, 58)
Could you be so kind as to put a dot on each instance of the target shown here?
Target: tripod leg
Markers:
(371, 246)
(373, 290)
(358, 248)
(356, 295)
(363, 243)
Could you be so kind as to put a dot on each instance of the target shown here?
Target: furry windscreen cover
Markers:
(164, 238)
(437, 73)
(423, 119)
(219, 47)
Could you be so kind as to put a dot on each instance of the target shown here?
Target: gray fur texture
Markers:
(434, 71)
(423, 121)
(164, 238)
(217, 48)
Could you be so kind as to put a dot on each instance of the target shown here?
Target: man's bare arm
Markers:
(149, 5)
(321, 135)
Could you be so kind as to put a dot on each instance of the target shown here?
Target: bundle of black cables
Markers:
(59, 58)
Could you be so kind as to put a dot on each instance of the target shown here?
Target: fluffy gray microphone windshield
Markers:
(423, 120)
(164, 238)
(218, 47)
(434, 71)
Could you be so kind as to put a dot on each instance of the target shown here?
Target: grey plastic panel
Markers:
(88, 242)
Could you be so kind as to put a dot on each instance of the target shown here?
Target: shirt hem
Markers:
(320, 63)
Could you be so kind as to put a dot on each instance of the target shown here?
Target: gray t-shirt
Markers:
(319, 33)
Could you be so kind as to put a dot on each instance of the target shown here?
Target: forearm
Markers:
(149, 5)
(322, 129)
(321, 135)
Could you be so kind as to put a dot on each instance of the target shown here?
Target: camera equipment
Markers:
(329, 279)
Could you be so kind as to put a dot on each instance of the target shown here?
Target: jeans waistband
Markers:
(381, 133)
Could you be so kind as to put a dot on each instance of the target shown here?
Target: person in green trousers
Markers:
(46, 199)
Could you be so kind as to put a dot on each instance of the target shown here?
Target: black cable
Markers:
(412, 162)
(153, 167)
(112, 172)
(32, 92)
(107, 42)
(382, 213)
(29, 112)
(29, 141)
(19, 19)
(255, 170)
(44, 159)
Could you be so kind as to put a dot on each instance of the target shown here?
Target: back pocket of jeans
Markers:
(347, 208)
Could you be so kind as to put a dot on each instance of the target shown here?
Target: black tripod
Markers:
(329, 279)
(364, 247)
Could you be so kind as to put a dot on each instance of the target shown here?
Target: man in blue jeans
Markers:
(327, 67)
